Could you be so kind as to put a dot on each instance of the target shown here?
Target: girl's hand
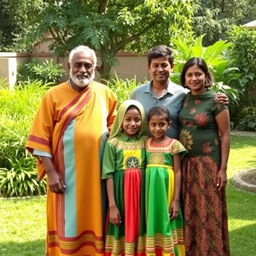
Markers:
(174, 209)
(114, 215)
(221, 179)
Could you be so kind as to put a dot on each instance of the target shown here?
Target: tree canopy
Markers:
(214, 18)
(15, 21)
(109, 26)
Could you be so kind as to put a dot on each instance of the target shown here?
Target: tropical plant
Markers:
(18, 182)
(109, 26)
(47, 71)
(216, 59)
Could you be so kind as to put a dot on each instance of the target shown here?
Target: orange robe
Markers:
(72, 127)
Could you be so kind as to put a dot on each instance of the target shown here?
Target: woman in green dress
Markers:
(205, 132)
(163, 180)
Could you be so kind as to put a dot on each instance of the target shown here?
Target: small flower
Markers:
(207, 148)
(186, 139)
(202, 119)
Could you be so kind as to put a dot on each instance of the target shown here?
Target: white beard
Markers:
(81, 82)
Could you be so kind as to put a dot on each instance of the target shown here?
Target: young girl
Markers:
(163, 181)
(123, 167)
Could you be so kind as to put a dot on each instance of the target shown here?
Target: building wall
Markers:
(128, 65)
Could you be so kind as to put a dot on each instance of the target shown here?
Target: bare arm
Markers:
(114, 214)
(55, 182)
(223, 123)
(174, 209)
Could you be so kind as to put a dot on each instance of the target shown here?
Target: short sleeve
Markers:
(109, 159)
(37, 152)
(219, 108)
(177, 148)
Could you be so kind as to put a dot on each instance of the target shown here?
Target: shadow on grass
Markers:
(241, 204)
(31, 248)
(242, 241)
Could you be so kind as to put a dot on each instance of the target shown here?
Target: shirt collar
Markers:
(170, 88)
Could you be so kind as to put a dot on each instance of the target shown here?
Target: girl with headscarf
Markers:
(123, 168)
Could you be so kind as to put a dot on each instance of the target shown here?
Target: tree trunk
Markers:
(104, 71)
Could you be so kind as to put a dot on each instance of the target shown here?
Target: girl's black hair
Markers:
(159, 111)
(202, 65)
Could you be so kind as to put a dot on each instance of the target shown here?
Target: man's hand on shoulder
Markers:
(221, 98)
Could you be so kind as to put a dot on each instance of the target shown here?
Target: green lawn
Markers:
(241, 205)
(22, 222)
(22, 227)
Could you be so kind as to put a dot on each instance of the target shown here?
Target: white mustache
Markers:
(81, 76)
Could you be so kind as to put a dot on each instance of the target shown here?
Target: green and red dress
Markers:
(164, 236)
(124, 161)
(205, 215)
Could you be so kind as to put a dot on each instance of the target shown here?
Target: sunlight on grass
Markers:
(242, 154)
(236, 224)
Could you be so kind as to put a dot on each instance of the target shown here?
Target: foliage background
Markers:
(243, 55)
(17, 168)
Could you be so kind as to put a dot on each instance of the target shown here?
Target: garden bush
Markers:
(243, 55)
(17, 167)
(47, 71)
(248, 119)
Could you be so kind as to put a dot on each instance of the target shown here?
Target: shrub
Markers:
(243, 55)
(247, 121)
(47, 71)
(17, 167)
(122, 88)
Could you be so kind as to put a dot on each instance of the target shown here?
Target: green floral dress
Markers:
(205, 216)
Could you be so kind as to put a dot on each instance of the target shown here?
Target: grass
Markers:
(22, 222)
(241, 205)
(22, 227)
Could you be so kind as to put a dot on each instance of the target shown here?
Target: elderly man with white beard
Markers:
(67, 138)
